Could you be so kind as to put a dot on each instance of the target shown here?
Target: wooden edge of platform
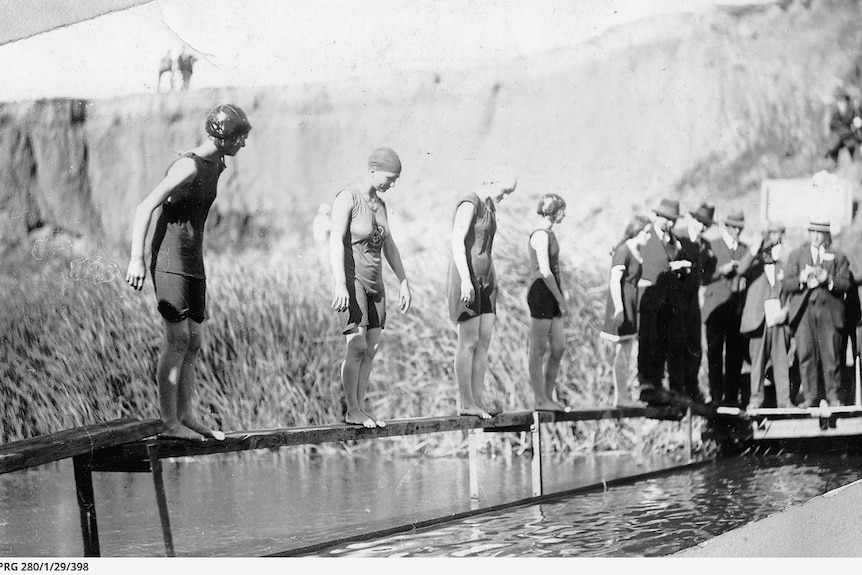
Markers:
(129, 455)
(87, 439)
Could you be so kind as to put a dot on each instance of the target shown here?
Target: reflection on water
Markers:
(268, 502)
(654, 517)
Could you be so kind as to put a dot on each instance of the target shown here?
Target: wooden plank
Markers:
(809, 413)
(805, 428)
(161, 500)
(73, 442)
(121, 456)
(536, 455)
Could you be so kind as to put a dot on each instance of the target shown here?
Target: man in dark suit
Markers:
(764, 318)
(687, 326)
(658, 295)
(817, 279)
(721, 312)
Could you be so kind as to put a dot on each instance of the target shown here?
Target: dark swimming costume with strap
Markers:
(178, 239)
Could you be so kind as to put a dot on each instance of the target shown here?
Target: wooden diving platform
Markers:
(132, 446)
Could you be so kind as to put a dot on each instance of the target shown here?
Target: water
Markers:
(654, 517)
(267, 502)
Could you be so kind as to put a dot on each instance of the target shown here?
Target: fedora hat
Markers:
(668, 209)
(704, 214)
(735, 219)
(820, 226)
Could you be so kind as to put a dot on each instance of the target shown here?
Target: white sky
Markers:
(275, 42)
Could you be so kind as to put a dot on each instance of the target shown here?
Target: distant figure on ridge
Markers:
(185, 195)
(844, 126)
(621, 309)
(166, 66)
(473, 286)
(185, 64)
(547, 305)
(360, 234)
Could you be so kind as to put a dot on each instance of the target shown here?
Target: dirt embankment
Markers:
(692, 107)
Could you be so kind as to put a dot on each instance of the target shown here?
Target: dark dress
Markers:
(631, 274)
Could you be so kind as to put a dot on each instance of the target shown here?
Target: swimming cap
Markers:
(385, 160)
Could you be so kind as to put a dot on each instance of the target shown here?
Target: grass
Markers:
(77, 352)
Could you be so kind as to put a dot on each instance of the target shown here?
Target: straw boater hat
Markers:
(704, 214)
(820, 226)
(735, 219)
(775, 226)
(668, 209)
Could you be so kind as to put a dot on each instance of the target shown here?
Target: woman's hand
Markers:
(467, 292)
(136, 273)
(404, 298)
(340, 297)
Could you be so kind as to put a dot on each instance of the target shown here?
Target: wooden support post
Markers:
(161, 500)
(858, 363)
(86, 504)
(688, 442)
(536, 452)
(473, 437)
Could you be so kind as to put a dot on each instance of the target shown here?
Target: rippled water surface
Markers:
(270, 502)
(653, 517)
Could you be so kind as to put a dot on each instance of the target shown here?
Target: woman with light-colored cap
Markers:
(473, 285)
(359, 235)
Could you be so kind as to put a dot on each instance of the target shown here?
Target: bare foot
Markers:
(377, 422)
(194, 425)
(624, 402)
(476, 411)
(179, 431)
(359, 418)
(549, 405)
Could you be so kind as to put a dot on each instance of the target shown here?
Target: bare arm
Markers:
(463, 221)
(340, 220)
(615, 285)
(182, 172)
(539, 241)
(393, 256)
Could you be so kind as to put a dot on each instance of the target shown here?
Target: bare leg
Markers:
(552, 363)
(168, 375)
(372, 344)
(622, 374)
(540, 331)
(468, 339)
(185, 411)
(480, 357)
(350, 376)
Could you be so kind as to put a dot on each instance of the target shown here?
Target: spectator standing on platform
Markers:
(547, 305)
(166, 66)
(185, 64)
(659, 285)
(621, 309)
(185, 196)
(844, 126)
(817, 279)
(723, 299)
(360, 234)
(687, 324)
(473, 286)
(764, 319)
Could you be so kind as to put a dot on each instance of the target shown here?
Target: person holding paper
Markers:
(817, 279)
(721, 312)
(764, 319)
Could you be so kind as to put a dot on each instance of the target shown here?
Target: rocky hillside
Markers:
(692, 107)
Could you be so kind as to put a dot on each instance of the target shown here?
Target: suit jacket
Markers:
(801, 297)
(758, 291)
(721, 290)
(656, 269)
